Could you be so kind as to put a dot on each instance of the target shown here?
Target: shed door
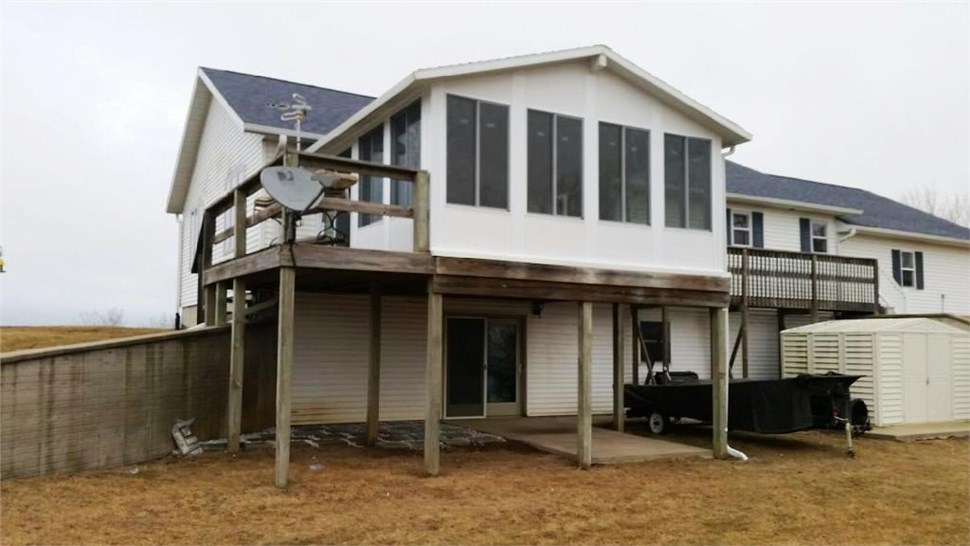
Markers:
(927, 368)
(915, 380)
(938, 372)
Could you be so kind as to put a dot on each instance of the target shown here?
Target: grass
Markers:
(16, 338)
(797, 488)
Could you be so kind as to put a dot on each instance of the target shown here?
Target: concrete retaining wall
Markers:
(112, 403)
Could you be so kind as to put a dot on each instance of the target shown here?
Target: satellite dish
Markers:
(294, 188)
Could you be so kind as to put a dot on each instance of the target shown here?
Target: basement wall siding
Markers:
(763, 340)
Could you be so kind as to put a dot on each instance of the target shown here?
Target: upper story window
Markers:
(908, 268)
(745, 228)
(370, 147)
(813, 235)
(478, 153)
(624, 158)
(741, 228)
(406, 149)
(555, 157)
(687, 182)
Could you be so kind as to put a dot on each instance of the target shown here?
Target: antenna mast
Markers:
(296, 112)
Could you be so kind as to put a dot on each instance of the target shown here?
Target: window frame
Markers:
(903, 269)
(624, 210)
(750, 229)
(554, 167)
(687, 186)
(478, 152)
(403, 187)
(364, 220)
(824, 238)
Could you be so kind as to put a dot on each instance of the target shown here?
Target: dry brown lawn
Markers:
(16, 338)
(798, 488)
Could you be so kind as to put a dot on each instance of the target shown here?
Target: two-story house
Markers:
(512, 218)
(526, 206)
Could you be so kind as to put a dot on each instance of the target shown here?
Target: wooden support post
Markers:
(239, 223)
(284, 372)
(220, 309)
(719, 383)
(420, 204)
(875, 288)
(814, 308)
(374, 367)
(634, 344)
(210, 304)
(619, 408)
(237, 361)
(734, 352)
(745, 290)
(432, 414)
(781, 328)
(584, 406)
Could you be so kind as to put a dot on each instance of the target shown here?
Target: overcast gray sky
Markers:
(93, 98)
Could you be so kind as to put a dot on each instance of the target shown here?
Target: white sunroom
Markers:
(915, 369)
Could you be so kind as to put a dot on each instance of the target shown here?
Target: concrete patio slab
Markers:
(923, 431)
(558, 435)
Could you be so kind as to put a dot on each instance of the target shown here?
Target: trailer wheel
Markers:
(658, 423)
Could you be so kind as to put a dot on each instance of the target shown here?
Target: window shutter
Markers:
(919, 270)
(729, 227)
(805, 227)
(897, 267)
(758, 229)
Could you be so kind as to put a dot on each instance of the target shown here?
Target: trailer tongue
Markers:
(774, 406)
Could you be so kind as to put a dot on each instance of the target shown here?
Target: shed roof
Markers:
(874, 325)
(877, 211)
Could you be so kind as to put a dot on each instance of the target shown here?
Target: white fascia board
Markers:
(791, 204)
(181, 175)
(897, 234)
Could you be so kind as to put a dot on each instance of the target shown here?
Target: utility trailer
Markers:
(767, 406)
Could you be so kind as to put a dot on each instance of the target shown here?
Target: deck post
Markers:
(814, 302)
(432, 414)
(584, 413)
(221, 289)
(719, 380)
(210, 304)
(618, 379)
(745, 289)
(236, 363)
(284, 372)
(420, 207)
(875, 288)
(374, 366)
(634, 344)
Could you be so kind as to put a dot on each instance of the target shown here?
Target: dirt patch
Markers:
(16, 338)
(797, 488)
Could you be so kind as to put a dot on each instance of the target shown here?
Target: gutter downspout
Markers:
(848, 235)
(737, 454)
(178, 273)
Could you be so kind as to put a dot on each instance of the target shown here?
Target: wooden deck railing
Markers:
(799, 280)
(234, 203)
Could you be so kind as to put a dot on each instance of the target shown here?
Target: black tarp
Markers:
(771, 406)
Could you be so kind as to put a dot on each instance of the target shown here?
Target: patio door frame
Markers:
(510, 409)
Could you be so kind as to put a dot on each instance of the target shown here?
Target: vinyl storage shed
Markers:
(916, 370)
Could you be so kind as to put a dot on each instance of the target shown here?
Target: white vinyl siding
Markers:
(945, 268)
(763, 342)
(226, 156)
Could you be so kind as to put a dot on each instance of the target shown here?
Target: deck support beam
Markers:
(745, 290)
(619, 407)
(374, 367)
(634, 346)
(433, 373)
(584, 413)
(719, 383)
(237, 361)
(284, 373)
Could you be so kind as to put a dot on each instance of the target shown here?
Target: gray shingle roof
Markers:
(878, 211)
(248, 96)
